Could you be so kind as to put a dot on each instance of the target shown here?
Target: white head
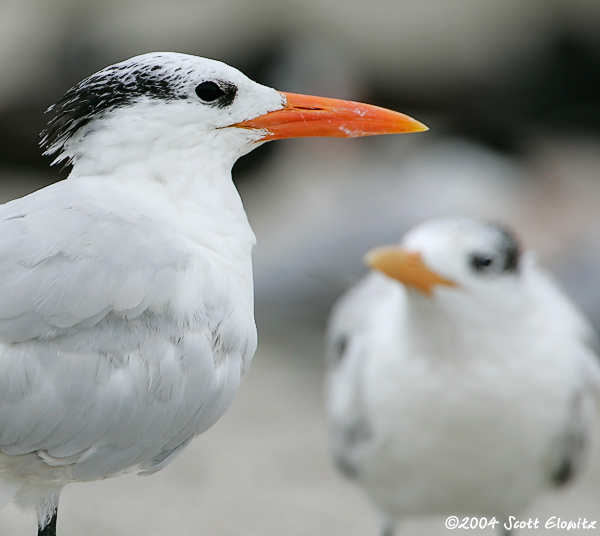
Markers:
(453, 258)
(168, 100)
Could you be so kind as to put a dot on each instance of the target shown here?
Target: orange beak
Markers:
(405, 266)
(304, 116)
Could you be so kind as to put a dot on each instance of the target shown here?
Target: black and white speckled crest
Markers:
(158, 76)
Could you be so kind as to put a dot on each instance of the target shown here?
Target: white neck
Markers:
(452, 325)
(184, 166)
(189, 192)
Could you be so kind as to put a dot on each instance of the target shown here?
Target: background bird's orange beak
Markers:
(305, 115)
(405, 266)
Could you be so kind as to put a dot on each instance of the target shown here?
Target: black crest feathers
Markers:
(110, 88)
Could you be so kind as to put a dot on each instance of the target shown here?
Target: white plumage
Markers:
(462, 381)
(126, 296)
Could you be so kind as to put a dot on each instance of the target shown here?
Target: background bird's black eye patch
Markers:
(509, 249)
(222, 94)
(481, 262)
(503, 258)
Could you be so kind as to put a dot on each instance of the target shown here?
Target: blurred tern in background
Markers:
(461, 381)
(126, 301)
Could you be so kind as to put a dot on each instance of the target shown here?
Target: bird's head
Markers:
(456, 256)
(164, 99)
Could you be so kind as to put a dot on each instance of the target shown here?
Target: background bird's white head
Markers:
(464, 250)
(457, 255)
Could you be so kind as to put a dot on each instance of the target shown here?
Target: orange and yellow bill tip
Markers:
(306, 116)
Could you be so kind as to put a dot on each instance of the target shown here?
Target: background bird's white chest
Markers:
(482, 422)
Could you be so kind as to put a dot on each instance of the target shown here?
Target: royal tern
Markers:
(461, 381)
(126, 309)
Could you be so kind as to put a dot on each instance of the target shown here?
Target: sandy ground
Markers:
(263, 470)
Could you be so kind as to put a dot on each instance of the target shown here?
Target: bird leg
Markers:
(50, 528)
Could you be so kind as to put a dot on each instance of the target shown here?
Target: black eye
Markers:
(209, 91)
(481, 262)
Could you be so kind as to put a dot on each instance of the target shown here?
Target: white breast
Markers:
(146, 333)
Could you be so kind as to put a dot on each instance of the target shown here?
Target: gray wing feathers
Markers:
(61, 267)
(347, 338)
(350, 428)
(67, 288)
(140, 412)
(580, 347)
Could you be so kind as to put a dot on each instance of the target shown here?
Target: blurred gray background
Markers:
(510, 90)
